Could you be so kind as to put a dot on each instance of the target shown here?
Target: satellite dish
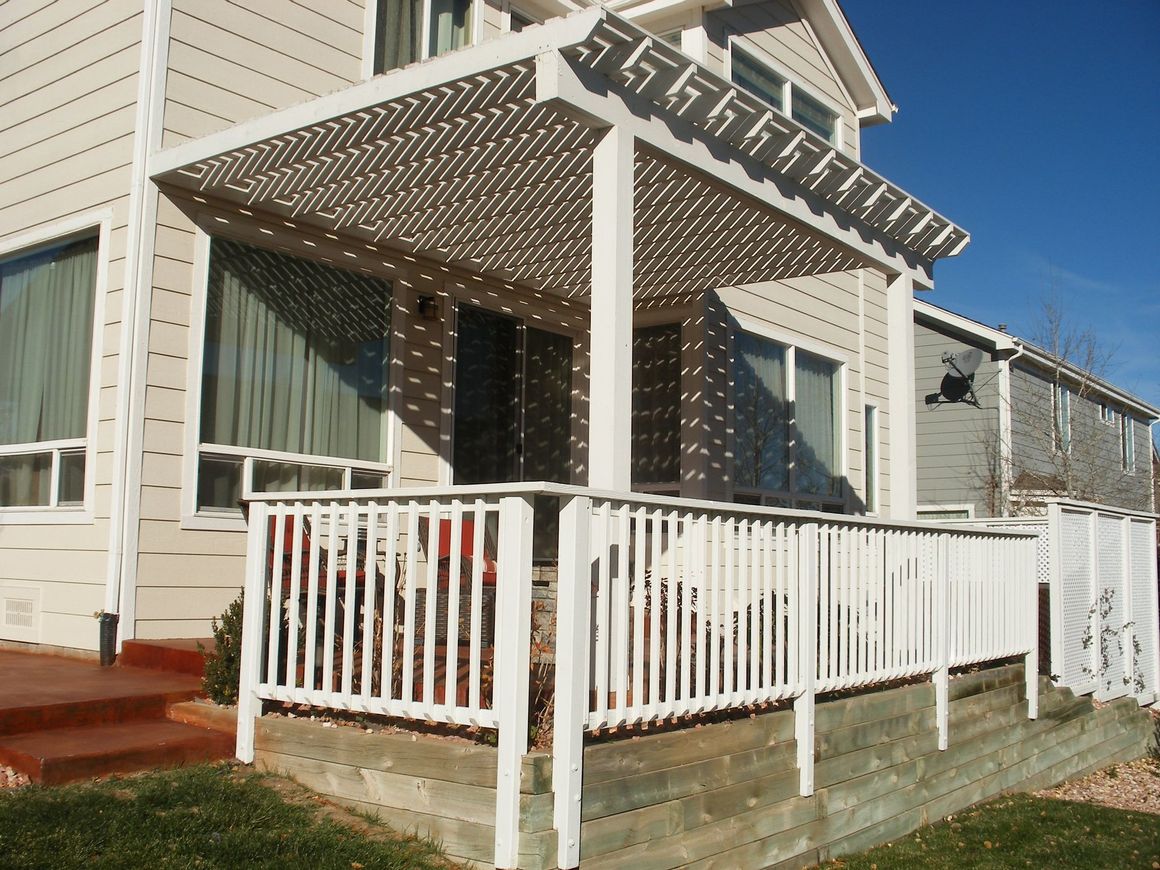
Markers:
(958, 384)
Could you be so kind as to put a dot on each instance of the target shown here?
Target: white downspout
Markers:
(1006, 448)
(125, 497)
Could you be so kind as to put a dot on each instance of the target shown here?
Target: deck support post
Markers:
(572, 651)
(610, 405)
(512, 664)
(253, 613)
(807, 656)
(1028, 575)
(942, 609)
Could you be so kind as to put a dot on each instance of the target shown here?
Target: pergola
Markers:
(582, 158)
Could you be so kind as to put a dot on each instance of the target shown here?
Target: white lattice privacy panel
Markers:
(1142, 554)
(1072, 598)
(1105, 628)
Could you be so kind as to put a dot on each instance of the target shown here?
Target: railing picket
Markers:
(430, 608)
(654, 600)
(370, 599)
(454, 572)
(715, 613)
(328, 629)
(687, 588)
(308, 679)
(475, 653)
(294, 606)
(390, 593)
(411, 572)
(601, 542)
(639, 524)
(272, 657)
(348, 608)
(672, 598)
(620, 651)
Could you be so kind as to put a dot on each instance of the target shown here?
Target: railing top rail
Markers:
(1096, 507)
(499, 490)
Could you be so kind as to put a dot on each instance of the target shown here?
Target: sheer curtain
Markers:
(46, 327)
(760, 416)
(398, 31)
(296, 356)
(816, 451)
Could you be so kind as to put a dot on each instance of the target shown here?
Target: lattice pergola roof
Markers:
(462, 160)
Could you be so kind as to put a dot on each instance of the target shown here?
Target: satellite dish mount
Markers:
(958, 384)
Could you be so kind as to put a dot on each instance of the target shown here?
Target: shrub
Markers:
(223, 665)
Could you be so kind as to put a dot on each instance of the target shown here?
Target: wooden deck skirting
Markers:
(726, 794)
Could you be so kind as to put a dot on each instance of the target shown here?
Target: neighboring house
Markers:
(242, 252)
(1032, 427)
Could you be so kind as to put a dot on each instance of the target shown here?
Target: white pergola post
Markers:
(900, 341)
(610, 398)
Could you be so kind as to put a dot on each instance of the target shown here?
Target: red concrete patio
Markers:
(66, 719)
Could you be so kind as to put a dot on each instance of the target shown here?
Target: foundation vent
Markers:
(19, 614)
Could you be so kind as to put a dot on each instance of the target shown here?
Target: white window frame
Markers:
(1061, 397)
(792, 343)
(1128, 444)
(792, 83)
(77, 227)
(506, 11)
(871, 471)
(280, 239)
(371, 27)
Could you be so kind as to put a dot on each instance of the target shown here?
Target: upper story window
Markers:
(1127, 443)
(672, 37)
(294, 376)
(47, 303)
(518, 20)
(756, 77)
(410, 30)
(787, 431)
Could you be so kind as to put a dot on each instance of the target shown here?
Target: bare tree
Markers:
(1064, 437)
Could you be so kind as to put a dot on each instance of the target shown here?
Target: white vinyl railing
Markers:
(417, 604)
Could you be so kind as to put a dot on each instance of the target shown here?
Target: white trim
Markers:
(791, 339)
(900, 392)
(73, 228)
(370, 29)
(136, 305)
(872, 436)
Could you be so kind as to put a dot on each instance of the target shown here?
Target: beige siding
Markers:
(232, 61)
(67, 103)
(777, 30)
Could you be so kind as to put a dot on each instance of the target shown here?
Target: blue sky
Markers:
(1035, 125)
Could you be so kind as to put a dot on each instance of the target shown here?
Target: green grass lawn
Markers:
(205, 816)
(1023, 831)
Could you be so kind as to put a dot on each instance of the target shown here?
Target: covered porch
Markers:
(567, 183)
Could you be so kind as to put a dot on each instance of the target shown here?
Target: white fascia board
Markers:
(512, 48)
(846, 53)
(993, 339)
(1043, 359)
(586, 96)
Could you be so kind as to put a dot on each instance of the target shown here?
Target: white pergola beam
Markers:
(587, 96)
(610, 407)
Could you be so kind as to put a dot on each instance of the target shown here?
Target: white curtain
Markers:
(816, 450)
(760, 416)
(450, 25)
(295, 355)
(399, 32)
(46, 327)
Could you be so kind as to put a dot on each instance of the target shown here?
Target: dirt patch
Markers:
(1133, 785)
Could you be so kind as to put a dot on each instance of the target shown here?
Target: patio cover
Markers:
(483, 159)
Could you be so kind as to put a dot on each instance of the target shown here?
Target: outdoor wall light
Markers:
(428, 307)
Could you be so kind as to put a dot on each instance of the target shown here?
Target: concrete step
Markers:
(62, 755)
(175, 655)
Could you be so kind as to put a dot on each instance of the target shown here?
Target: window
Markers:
(294, 378)
(1128, 443)
(518, 21)
(812, 115)
(399, 30)
(786, 424)
(47, 303)
(757, 78)
(672, 37)
(1107, 415)
(656, 407)
(787, 97)
(1061, 406)
(870, 434)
